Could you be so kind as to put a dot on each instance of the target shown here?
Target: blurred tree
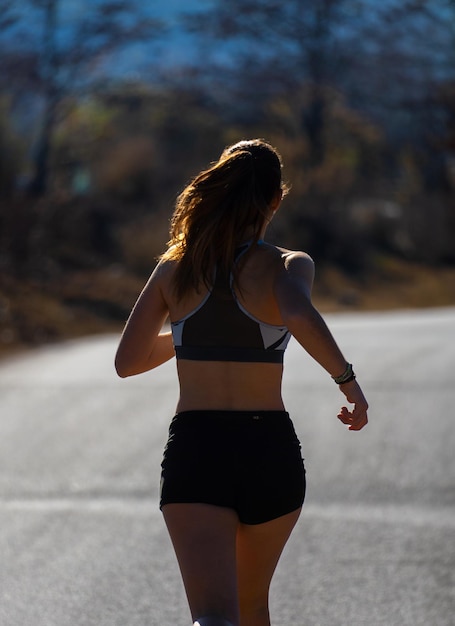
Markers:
(55, 49)
(321, 213)
(388, 60)
(278, 47)
(410, 55)
(139, 143)
(11, 153)
(385, 57)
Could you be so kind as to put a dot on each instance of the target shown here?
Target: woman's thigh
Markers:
(204, 539)
(259, 548)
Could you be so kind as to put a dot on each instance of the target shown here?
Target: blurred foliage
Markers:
(363, 116)
(12, 150)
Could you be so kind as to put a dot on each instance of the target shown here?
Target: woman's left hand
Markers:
(357, 418)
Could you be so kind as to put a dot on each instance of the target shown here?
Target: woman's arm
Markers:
(142, 346)
(293, 292)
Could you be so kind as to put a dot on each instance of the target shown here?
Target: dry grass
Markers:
(83, 303)
(395, 284)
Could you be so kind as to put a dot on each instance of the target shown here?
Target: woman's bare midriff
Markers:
(207, 385)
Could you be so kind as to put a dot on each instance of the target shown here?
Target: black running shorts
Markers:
(249, 461)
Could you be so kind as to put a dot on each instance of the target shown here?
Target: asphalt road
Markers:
(82, 542)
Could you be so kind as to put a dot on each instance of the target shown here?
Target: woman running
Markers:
(233, 479)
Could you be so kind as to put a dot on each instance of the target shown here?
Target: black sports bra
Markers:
(221, 329)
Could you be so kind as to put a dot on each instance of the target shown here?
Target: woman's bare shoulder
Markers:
(295, 273)
(292, 261)
(162, 277)
(164, 269)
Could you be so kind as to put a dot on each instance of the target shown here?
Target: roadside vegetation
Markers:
(362, 110)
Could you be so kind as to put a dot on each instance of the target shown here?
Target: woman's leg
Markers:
(259, 547)
(204, 540)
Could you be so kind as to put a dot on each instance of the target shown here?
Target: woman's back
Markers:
(223, 383)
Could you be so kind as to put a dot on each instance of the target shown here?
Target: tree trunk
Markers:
(50, 68)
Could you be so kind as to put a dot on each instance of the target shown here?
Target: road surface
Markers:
(82, 540)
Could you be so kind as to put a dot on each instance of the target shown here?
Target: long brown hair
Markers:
(218, 208)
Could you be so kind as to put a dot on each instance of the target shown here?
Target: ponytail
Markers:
(220, 208)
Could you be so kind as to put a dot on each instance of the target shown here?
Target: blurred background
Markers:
(108, 107)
